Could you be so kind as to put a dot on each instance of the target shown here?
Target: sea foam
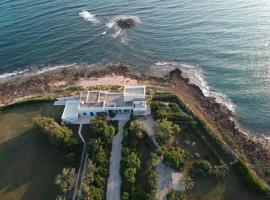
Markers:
(87, 16)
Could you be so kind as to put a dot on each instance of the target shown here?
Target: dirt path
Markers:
(114, 181)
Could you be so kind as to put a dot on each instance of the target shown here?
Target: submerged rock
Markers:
(126, 23)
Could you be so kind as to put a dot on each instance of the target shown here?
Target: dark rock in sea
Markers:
(126, 23)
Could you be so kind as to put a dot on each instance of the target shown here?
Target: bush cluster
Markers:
(204, 168)
(176, 195)
(171, 112)
(166, 132)
(176, 158)
(95, 181)
(58, 135)
(131, 164)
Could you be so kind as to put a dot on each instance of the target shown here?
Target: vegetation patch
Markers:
(97, 171)
(58, 135)
(250, 179)
(176, 158)
(166, 132)
(138, 163)
(176, 195)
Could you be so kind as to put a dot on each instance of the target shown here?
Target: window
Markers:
(91, 113)
(84, 113)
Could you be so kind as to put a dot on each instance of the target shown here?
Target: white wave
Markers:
(87, 16)
(196, 77)
(51, 68)
(29, 72)
(6, 76)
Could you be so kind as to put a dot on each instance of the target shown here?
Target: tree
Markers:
(166, 131)
(130, 163)
(138, 128)
(100, 126)
(129, 174)
(90, 192)
(66, 180)
(176, 195)
(154, 161)
(90, 172)
(58, 135)
(130, 159)
(59, 197)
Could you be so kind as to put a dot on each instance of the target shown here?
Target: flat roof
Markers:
(108, 99)
(71, 110)
(132, 90)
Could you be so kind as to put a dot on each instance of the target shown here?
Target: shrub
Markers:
(176, 195)
(250, 179)
(125, 196)
(201, 168)
(176, 158)
(219, 171)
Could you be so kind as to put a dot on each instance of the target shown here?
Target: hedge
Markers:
(250, 179)
(27, 101)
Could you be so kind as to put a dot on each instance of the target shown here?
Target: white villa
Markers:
(80, 110)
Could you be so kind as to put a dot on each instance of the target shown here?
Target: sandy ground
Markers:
(114, 181)
(150, 124)
(107, 80)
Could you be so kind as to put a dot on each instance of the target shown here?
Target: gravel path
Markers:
(114, 181)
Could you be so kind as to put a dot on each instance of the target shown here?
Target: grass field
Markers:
(28, 163)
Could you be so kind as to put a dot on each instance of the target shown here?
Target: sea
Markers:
(222, 46)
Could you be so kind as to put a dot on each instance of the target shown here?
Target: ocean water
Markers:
(224, 46)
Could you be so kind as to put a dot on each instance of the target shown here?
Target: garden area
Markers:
(29, 164)
(188, 147)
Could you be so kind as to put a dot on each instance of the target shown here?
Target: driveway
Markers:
(114, 181)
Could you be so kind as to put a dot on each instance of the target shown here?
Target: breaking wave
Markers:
(32, 71)
(196, 76)
(5, 76)
(87, 16)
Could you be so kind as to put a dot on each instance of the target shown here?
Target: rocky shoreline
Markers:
(254, 148)
(24, 85)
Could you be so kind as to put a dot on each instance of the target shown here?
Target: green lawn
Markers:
(28, 163)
